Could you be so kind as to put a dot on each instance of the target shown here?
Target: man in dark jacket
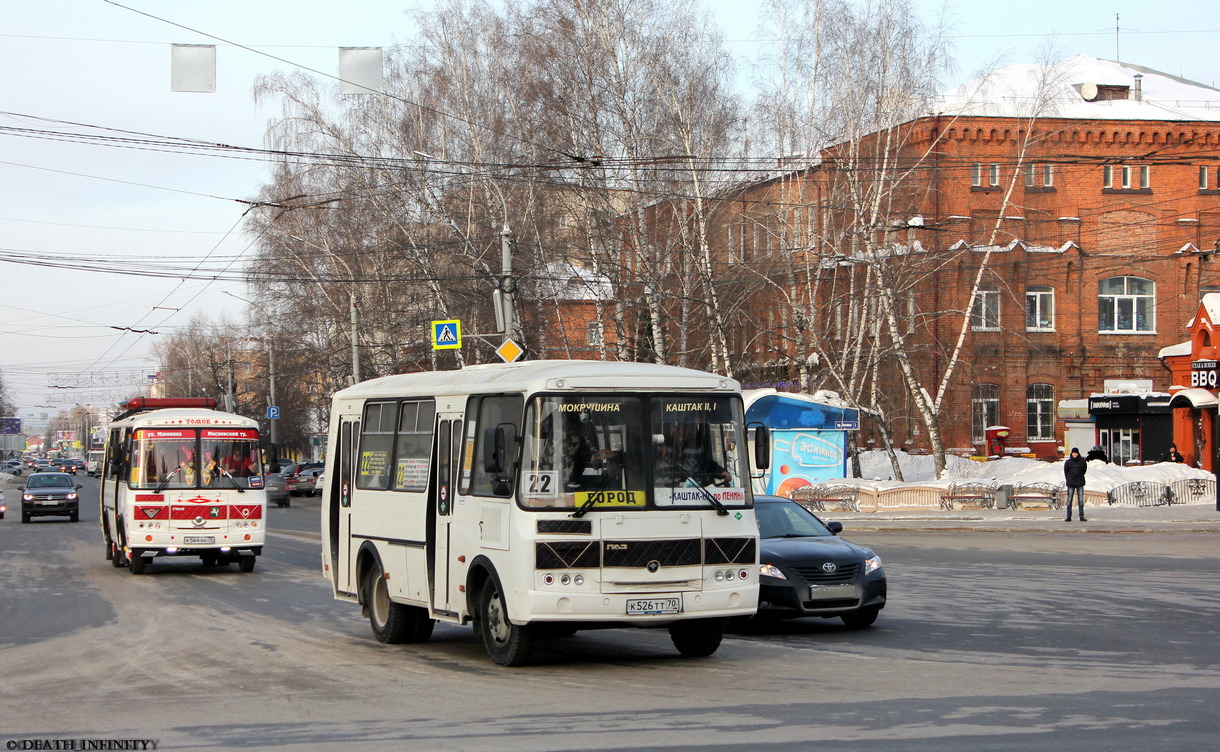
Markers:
(1074, 469)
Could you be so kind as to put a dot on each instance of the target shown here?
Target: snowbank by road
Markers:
(877, 472)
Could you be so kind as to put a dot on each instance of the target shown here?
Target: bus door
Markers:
(339, 518)
(440, 507)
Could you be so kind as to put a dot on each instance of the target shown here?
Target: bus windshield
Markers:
(632, 452)
(186, 458)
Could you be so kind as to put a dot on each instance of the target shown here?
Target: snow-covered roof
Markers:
(1182, 348)
(561, 280)
(1012, 91)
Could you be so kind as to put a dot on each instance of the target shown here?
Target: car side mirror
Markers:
(835, 527)
(20, 488)
(762, 446)
(79, 486)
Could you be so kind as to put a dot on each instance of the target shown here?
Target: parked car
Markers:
(303, 482)
(276, 492)
(293, 480)
(50, 494)
(13, 467)
(3, 506)
(806, 569)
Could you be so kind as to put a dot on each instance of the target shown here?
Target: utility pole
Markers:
(355, 342)
(229, 396)
(508, 285)
(275, 443)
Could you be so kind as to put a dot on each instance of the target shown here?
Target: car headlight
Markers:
(872, 564)
(27, 497)
(71, 496)
(770, 570)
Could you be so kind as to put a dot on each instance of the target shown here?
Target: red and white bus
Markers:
(181, 478)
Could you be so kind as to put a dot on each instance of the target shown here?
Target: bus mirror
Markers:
(498, 442)
(762, 447)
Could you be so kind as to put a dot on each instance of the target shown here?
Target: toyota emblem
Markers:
(829, 567)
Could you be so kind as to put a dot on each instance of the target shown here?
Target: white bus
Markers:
(536, 499)
(93, 462)
(180, 478)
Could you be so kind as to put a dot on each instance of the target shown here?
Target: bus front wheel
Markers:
(697, 638)
(508, 644)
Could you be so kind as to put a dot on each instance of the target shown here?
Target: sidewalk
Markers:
(1179, 518)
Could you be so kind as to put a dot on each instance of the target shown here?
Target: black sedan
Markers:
(808, 570)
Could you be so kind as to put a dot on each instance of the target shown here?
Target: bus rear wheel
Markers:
(138, 563)
(117, 557)
(392, 622)
(697, 638)
(508, 644)
(246, 563)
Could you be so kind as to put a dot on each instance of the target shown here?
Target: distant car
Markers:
(3, 506)
(303, 482)
(50, 494)
(276, 492)
(298, 480)
(60, 466)
(806, 569)
(12, 467)
(75, 465)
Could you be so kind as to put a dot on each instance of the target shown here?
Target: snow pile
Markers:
(877, 471)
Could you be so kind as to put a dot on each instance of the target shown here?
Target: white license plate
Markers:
(196, 539)
(50, 502)
(832, 591)
(649, 606)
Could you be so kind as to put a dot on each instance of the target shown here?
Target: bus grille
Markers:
(564, 527)
(566, 555)
(667, 553)
(728, 551)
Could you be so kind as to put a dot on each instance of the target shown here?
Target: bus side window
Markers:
(490, 414)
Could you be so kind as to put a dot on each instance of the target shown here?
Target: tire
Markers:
(393, 623)
(697, 638)
(117, 559)
(246, 563)
(25, 518)
(209, 559)
(508, 644)
(74, 517)
(138, 563)
(862, 618)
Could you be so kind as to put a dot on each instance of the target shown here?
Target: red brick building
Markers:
(1092, 227)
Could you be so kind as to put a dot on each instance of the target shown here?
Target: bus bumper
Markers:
(551, 606)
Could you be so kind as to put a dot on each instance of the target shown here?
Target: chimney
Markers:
(1139, 87)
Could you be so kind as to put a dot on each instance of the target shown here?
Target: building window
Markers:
(984, 410)
(1126, 177)
(1125, 305)
(1031, 173)
(1048, 175)
(986, 311)
(595, 334)
(1036, 172)
(1203, 183)
(1040, 309)
(994, 175)
(1040, 412)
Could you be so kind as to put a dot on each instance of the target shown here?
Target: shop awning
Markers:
(1193, 397)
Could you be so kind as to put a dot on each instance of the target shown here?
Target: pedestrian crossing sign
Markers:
(447, 335)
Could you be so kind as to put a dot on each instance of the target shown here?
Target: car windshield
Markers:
(787, 519)
(49, 481)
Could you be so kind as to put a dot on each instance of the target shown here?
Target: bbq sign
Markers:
(1203, 373)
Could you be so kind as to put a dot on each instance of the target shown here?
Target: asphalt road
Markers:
(991, 641)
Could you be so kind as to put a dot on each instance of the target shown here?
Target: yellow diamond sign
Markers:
(509, 351)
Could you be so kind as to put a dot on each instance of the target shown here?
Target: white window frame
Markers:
(1043, 299)
(985, 313)
(984, 410)
(1040, 412)
(1126, 303)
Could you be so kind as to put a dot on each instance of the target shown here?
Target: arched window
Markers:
(984, 409)
(1040, 412)
(1126, 305)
